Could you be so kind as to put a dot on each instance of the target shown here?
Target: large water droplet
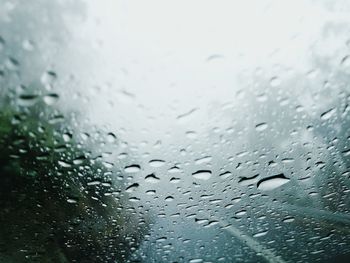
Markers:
(327, 114)
(27, 100)
(51, 98)
(248, 180)
(151, 178)
(272, 182)
(132, 188)
(134, 168)
(202, 174)
(156, 163)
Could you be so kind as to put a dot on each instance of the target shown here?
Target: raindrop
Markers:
(201, 221)
(134, 199)
(122, 156)
(225, 175)
(202, 160)
(156, 163)
(64, 164)
(184, 117)
(248, 180)
(132, 188)
(134, 168)
(346, 153)
(67, 136)
(169, 198)
(2, 43)
(345, 63)
(272, 182)
(174, 180)
(28, 45)
(287, 160)
(111, 137)
(95, 182)
(174, 169)
(108, 165)
(288, 219)
(260, 234)
(241, 213)
(48, 78)
(191, 134)
(151, 178)
(72, 200)
(51, 99)
(202, 174)
(214, 57)
(327, 114)
(27, 100)
(261, 126)
(151, 192)
(12, 63)
(212, 223)
(79, 160)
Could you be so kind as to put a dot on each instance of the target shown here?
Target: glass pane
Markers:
(174, 131)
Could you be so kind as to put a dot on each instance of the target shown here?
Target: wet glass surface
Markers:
(174, 131)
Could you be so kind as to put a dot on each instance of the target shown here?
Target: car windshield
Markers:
(174, 131)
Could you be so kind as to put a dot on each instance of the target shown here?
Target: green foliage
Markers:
(49, 212)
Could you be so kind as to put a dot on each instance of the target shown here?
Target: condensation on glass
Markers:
(174, 131)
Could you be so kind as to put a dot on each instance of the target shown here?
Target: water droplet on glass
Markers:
(287, 160)
(196, 260)
(241, 213)
(72, 200)
(261, 126)
(288, 219)
(214, 57)
(12, 63)
(111, 137)
(202, 175)
(132, 188)
(174, 180)
(260, 234)
(225, 175)
(48, 78)
(151, 178)
(64, 164)
(248, 180)
(327, 114)
(28, 45)
(79, 160)
(169, 198)
(191, 134)
(345, 63)
(108, 165)
(2, 43)
(275, 81)
(134, 168)
(95, 182)
(27, 100)
(204, 159)
(174, 169)
(67, 136)
(272, 182)
(51, 99)
(156, 163)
